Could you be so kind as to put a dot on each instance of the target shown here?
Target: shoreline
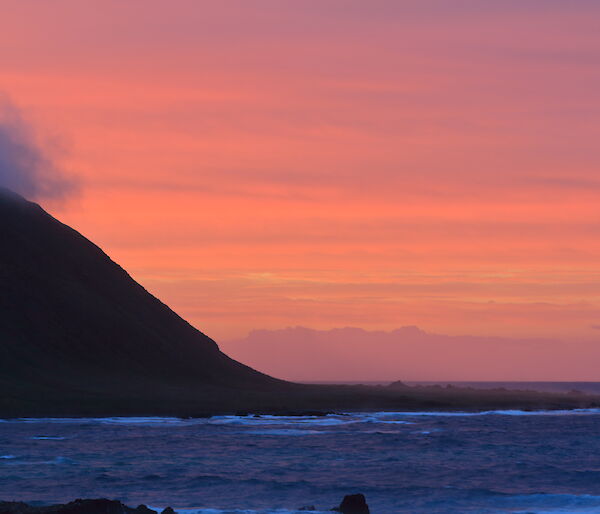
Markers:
(308, 414)
(350, 504)
(296, 400)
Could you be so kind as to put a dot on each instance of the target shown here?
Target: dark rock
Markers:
(308, 508)
(95, 506)
(14, 508)
(353, 504)
(168, 510)
(142, 509)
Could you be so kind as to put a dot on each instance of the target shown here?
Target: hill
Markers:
(73, 322)
(79, 337)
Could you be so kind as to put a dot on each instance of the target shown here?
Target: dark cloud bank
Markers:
(25, 167)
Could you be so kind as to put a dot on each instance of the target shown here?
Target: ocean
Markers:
(490, 462)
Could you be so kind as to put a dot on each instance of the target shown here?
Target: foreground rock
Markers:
(353, 504)
(97, 506)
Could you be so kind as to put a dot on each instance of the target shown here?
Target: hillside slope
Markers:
(71, 318)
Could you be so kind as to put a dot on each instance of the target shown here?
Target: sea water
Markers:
(496, 461)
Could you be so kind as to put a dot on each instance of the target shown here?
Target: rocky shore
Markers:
(351, 504)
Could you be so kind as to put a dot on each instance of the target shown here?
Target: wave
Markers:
(199, 510)
(552, 503)
(25, 460)
(329, 420)
(286, 431)
(61, 460)
(512, 412)
(501, 503)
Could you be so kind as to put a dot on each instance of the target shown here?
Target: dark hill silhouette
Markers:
(78, 336)
(71, 317)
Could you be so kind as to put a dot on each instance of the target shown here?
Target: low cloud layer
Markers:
(25, 167)
(409, 354)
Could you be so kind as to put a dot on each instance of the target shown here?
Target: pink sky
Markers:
(410, 354)
(329, 163)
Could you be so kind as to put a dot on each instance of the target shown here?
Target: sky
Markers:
(268, 164)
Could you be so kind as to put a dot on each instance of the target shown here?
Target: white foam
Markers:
(61, 460)
(329, 420)
(286, 431)
(48, 438)
(398, 417)
(193, 510)
(558, 510)
(7, 457)
(563, 503)
(572, 412)
(381, 431)
(369, 419)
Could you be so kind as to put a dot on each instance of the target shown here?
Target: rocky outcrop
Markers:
(353, 504)
(92, 506)
(398, 384)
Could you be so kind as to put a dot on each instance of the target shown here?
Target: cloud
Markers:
(409, 353)
(25, 167)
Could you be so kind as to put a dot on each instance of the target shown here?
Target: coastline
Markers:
(295, 399)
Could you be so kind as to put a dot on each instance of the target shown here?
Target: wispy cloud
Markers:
(25, 167)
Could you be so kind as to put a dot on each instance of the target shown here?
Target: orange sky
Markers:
(329, 163)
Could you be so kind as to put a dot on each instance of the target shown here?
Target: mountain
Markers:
(79, 337)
